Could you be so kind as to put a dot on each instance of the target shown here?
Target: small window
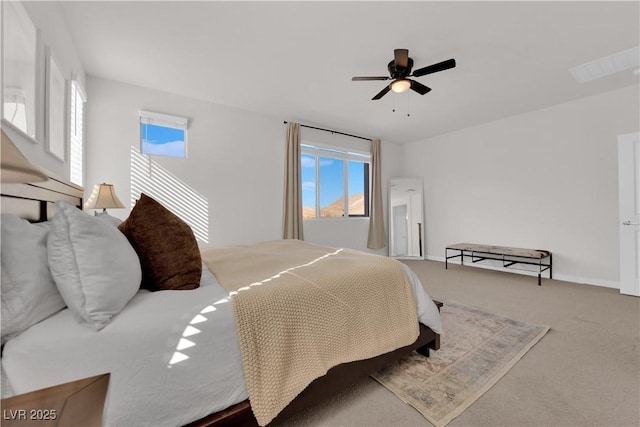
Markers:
(328, 174)
(163, 135)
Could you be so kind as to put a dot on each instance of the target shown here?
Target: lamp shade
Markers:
(103, 197)
(15, 166)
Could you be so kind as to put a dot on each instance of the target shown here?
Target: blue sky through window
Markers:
(162, 140)
(331, 179)
(308, 164)
(356, 178)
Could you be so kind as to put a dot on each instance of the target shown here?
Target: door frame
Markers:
(629, 247)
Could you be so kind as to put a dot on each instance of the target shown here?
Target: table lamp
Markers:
(103, 197)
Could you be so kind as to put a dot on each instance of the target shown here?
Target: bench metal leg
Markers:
(540, 273)
(447, 257)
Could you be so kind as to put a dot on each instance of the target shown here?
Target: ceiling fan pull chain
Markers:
(408, 109)
(394, 103)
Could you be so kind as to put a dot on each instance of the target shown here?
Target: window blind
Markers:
(76, 133)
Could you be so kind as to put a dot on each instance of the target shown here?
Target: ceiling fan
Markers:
(400, 68)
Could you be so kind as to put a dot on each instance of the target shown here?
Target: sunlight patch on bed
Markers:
(287, 271)
(208, 309)
(177, 358)
(199, 318)
(184, 344)
(190, 331)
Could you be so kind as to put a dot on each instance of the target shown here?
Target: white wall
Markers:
(235, 160)
(545, 179)
(48, 18)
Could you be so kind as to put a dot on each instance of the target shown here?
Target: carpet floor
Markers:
(584, 372)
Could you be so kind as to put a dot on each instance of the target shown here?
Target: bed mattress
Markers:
(173, 355)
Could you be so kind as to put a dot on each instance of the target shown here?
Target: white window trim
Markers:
(334, 151)
(164, 120)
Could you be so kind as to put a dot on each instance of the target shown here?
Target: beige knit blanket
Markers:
(301, 309)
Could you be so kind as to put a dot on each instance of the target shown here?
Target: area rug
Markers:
(476, 350)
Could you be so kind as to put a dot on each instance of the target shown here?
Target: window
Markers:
(76, 133)
(327, 175)
(163, 135)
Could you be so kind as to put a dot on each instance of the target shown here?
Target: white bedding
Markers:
(140, 348)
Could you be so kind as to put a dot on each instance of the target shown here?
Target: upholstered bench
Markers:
(509, 256)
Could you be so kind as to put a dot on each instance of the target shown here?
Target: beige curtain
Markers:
(292, 212)
(377, 236)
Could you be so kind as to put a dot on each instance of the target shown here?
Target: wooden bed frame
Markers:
(337, 379)
(36, 203)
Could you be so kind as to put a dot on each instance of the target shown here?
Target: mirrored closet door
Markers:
(406, 226)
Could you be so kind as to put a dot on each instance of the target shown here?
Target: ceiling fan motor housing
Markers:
(399, 72)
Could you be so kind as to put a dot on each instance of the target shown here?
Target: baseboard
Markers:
(556, 276)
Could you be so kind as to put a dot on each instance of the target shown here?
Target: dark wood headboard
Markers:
(36, 202)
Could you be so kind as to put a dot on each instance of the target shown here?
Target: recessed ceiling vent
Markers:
(621, 61)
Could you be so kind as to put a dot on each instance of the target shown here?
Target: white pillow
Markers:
(93, 264)
(29, 293)
(104, 216)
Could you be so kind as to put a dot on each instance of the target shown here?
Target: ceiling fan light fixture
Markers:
(400, 85)
(400, 68)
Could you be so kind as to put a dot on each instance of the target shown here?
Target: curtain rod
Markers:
(334, 131)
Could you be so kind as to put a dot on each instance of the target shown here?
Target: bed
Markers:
(155, 381)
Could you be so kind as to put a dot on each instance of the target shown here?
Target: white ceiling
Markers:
(295, 60)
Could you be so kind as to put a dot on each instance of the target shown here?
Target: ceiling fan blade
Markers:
(401, 57)
(419, 87)
(382, 93)
(440, 66)
(361, 79)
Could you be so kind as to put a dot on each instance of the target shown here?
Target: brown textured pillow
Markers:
(166, 246)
